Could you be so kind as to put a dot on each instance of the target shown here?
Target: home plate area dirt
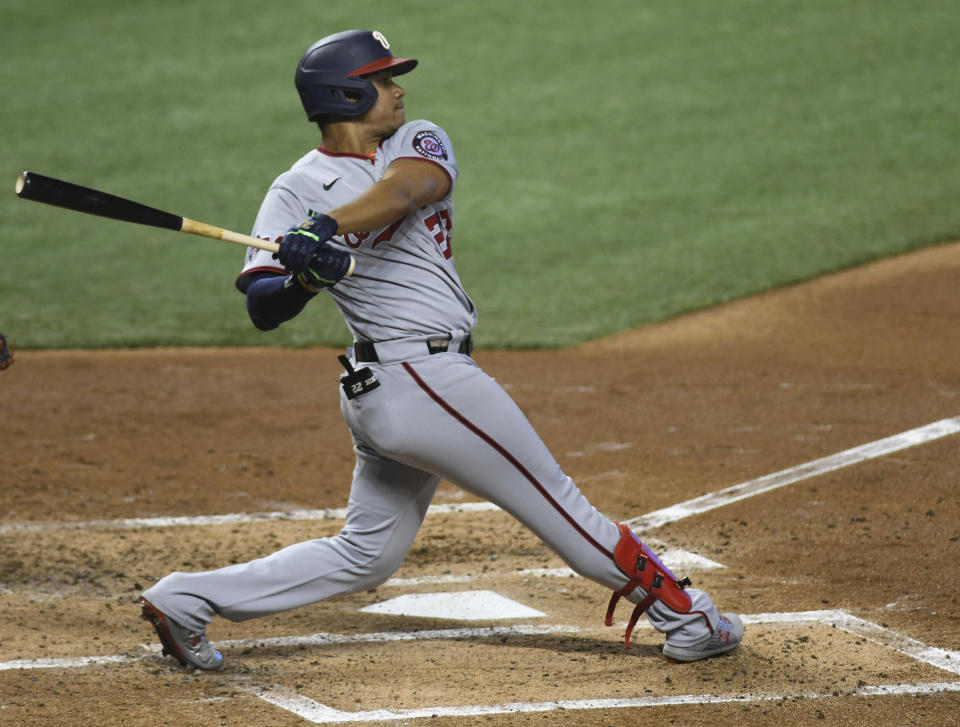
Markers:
(835, 404)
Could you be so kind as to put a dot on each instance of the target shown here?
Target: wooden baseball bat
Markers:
(58, 193)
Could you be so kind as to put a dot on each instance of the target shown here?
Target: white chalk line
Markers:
(872, 450)
(317, 713)
(339, 513)
(383, 637)
(321, 639)
(75, 663)
(681, 560)
(654, 519)
(945, 659)
(940, 658)
(678, 559)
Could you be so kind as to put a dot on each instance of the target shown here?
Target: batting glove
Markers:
(327, 268)
(301, 243)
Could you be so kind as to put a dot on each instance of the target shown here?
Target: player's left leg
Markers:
(472, 433)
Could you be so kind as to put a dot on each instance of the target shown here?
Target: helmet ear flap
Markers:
(325, 93)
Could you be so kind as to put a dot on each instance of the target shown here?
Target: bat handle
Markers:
(202, 228)
(218, 233)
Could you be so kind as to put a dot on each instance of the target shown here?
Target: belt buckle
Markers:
(438, 345)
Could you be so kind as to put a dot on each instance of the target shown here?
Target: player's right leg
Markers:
(388, 501)
(470, 431)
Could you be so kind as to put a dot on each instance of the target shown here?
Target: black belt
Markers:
(366, 352)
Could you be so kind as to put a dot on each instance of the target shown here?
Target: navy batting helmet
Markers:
(329, 75)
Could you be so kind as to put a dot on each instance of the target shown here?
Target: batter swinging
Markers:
(419, 408)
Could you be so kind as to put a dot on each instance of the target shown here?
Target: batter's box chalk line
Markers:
(856, 455)
(315, 712)
(697, 505)
(318, 713)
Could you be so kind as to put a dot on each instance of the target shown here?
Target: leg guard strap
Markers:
(645, 570)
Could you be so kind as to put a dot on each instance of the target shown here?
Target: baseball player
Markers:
(366, 219)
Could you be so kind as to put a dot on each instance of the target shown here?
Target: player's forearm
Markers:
(274, 299)
(381, 205)
(405, 187)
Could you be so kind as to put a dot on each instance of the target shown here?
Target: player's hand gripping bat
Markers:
(39, 188)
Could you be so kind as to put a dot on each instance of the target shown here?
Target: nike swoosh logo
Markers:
(326, 187)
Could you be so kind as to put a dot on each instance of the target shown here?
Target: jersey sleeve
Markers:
(280, 211)
(426, 141)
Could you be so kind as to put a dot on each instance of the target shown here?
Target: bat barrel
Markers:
(58, 193)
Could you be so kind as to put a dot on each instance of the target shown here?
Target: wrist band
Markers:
(305, 285)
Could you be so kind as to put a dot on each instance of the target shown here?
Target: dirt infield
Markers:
(848, 577)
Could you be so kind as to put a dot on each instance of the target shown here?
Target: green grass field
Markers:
(620, 162)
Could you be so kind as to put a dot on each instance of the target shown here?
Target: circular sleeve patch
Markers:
(428, 144)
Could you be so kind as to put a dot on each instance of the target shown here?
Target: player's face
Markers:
(386, 114)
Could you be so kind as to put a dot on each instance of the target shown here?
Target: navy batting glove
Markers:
(301, 244)
(328, 267)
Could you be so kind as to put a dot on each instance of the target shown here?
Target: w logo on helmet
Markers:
(381, 38)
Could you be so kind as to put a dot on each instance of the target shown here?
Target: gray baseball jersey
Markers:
(433, 414)
(413, 255)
